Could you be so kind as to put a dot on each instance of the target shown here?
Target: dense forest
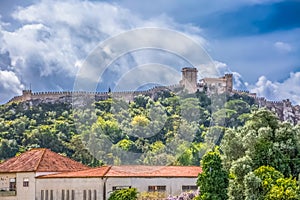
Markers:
(259, 153)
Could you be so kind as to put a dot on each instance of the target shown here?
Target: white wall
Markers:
(78, 185)
(173, 185)
(25, 193)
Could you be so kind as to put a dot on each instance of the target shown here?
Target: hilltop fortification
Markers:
(189, 82)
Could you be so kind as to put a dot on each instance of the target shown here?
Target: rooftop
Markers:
(41, 160)
(132, 171)
(153, 171)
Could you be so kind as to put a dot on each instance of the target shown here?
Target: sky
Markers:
(44, 43)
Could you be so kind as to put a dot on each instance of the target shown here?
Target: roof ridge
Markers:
(38, 163)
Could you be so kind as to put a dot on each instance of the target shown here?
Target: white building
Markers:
(41, 174)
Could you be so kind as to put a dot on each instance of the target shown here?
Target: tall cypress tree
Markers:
(213, 181)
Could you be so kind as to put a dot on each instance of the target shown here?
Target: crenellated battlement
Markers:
(284, 109)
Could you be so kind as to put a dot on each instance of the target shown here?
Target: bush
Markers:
(124, 194)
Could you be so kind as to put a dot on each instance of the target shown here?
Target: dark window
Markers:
(189, 188)
(46, 195)
(84, 194)
(73, 195)
(95, 194)
(63, 195)
(51, 194)
(90, 194)
(42, 194)
(25, 182)
(68, 195)
(12, 184)
(157, 188)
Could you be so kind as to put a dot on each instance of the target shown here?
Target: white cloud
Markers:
(223, 68)
(9, 84)
(283, 47)
(54, 37)
(288, 89)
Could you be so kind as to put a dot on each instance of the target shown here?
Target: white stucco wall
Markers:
(77, 185)
(173, 185)
(25, 193)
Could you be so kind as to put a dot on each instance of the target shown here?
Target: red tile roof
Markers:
(41, 160)
(153, 171)
(90, 173)
(133, 171)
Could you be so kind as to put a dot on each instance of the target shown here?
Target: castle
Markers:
(189, 82)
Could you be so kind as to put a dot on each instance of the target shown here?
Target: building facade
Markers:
(41, 174)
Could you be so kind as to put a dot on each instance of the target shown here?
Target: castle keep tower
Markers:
(189, 78)
(229, 82)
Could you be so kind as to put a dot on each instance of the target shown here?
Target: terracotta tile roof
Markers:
(153, 171)
(132, 171)
(90, 173)
(41, 160)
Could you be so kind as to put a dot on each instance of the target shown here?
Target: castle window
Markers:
(25, 182)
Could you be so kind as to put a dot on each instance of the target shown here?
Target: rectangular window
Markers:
(25, 182)
(95, 194)
(73, 195)
(90, 194)
(46, 195)
(68, 195)
(63, 195)
(84, 194)
(157, 188)
(186, 188)
(12, 184)
(51, 194)
(42, 194)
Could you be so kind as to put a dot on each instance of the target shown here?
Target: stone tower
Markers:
(26, 95)
(229, 82)
(189, 78)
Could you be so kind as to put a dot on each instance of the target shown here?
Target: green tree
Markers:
(124, 194)
(213, 181)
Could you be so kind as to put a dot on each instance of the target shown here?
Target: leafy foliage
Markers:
(213, 181)
(124, 194)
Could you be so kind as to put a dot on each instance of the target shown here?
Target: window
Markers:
(42, 194)
(186, 188)
(68, 195)
(46, 195)
(95, 194)
(90, 195)
(12, 184)
(157, 188)
(84, 194)
(63, 195)
(51, 194)
(25, 182)
(120, 187)
(73, 195)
